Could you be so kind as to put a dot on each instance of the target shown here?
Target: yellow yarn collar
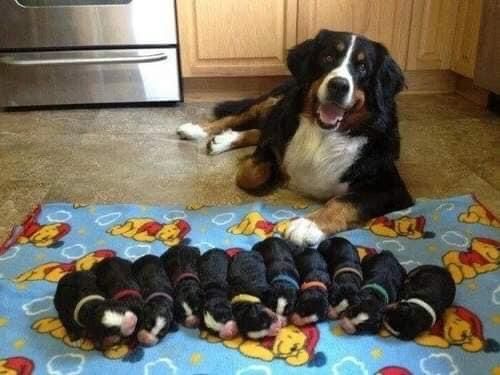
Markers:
(245, 298)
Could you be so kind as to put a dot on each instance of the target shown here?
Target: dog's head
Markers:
(347, 75)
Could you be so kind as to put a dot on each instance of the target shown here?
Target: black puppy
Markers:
(181, 264)
(312, 303)
(281, 274)
(115, 279)
(85, 311)
(427, 292)
(248, 285)
(345, 270)
(383, 279)
(217, 314)
(157, 292)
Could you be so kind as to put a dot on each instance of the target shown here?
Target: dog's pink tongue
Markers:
(330, 113)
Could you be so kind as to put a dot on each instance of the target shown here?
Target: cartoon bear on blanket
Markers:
(255, 223)
(406, 226)
(293, 344)
(149, 230)
(482, 256)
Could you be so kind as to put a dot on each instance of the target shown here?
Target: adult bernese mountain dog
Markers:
(330, 132)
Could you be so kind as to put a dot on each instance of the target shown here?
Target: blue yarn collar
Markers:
(287, 279)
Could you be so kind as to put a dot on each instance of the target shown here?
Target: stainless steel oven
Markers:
(56, 52)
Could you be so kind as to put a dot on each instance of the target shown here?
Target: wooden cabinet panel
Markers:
(466, 37)
(431, 34)
(386, 21)
(236, 37)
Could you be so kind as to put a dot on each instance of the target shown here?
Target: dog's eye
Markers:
(328, 59)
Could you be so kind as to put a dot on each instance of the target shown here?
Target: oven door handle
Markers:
(26, 61)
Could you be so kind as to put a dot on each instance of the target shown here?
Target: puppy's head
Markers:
(156, 321)
(218, 317)
(341, 297)
(363, 317)
(281, 298)
(111, 321)
(255, 321)
(406, 321)
(188, 303)
(347, 75)
(311, 307)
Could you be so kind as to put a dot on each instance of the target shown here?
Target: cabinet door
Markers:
(466, 37)
(236, 37)
(431, 34)
(386, 21)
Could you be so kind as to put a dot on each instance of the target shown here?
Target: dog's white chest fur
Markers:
(316, 159)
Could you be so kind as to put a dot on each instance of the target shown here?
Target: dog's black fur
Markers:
(382, 269)
(247, 275)
(115, 274)
(213, 268)
(152, 278)
(375, 186)
(431, 284)
(71, 289)
(312, 303)
(340, 253)
(278, 258)
(177, 260)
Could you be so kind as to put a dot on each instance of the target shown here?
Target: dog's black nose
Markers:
(338, 88)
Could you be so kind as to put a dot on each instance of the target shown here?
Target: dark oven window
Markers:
(55, 3)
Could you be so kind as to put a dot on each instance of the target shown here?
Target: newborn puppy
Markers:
(427, 292)
(115, 279)
(217, 314)
(345, 270)
(248, 285)
(181, 264)
(312, 303)
(84, 310)
(383, 279)
(281, 274)
(158, 302)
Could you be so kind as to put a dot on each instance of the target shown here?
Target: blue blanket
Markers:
(458, 233)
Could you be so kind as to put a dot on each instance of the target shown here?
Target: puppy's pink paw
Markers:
(347, 326)
(192, 321)
(229, 330)
(146, 338)
(274, 328)
(129, 322)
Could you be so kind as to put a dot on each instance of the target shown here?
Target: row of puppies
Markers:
(253, 291)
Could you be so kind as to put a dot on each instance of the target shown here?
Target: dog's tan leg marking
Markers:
(335, 216)
(253, 174)
(234, 122)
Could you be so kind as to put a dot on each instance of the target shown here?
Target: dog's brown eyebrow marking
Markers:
(340, 46)
(361, 56)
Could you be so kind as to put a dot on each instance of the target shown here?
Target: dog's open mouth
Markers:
(331, 115)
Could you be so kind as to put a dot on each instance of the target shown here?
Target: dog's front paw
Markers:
(304, 232)
(222, 142)
(191, 131)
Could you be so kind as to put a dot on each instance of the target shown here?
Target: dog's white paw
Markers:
(304, 232)
(222, 142)
(191, 131)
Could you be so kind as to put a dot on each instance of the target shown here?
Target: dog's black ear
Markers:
(388, 79)
(301, 60)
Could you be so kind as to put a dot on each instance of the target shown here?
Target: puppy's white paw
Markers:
(304, 232)
(222, 142)
(191, 131)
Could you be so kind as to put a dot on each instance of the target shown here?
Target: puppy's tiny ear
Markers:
(389, 79)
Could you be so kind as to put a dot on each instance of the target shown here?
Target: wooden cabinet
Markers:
(236, 37)
(466, 37)
(431, 34)
(386, 21)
